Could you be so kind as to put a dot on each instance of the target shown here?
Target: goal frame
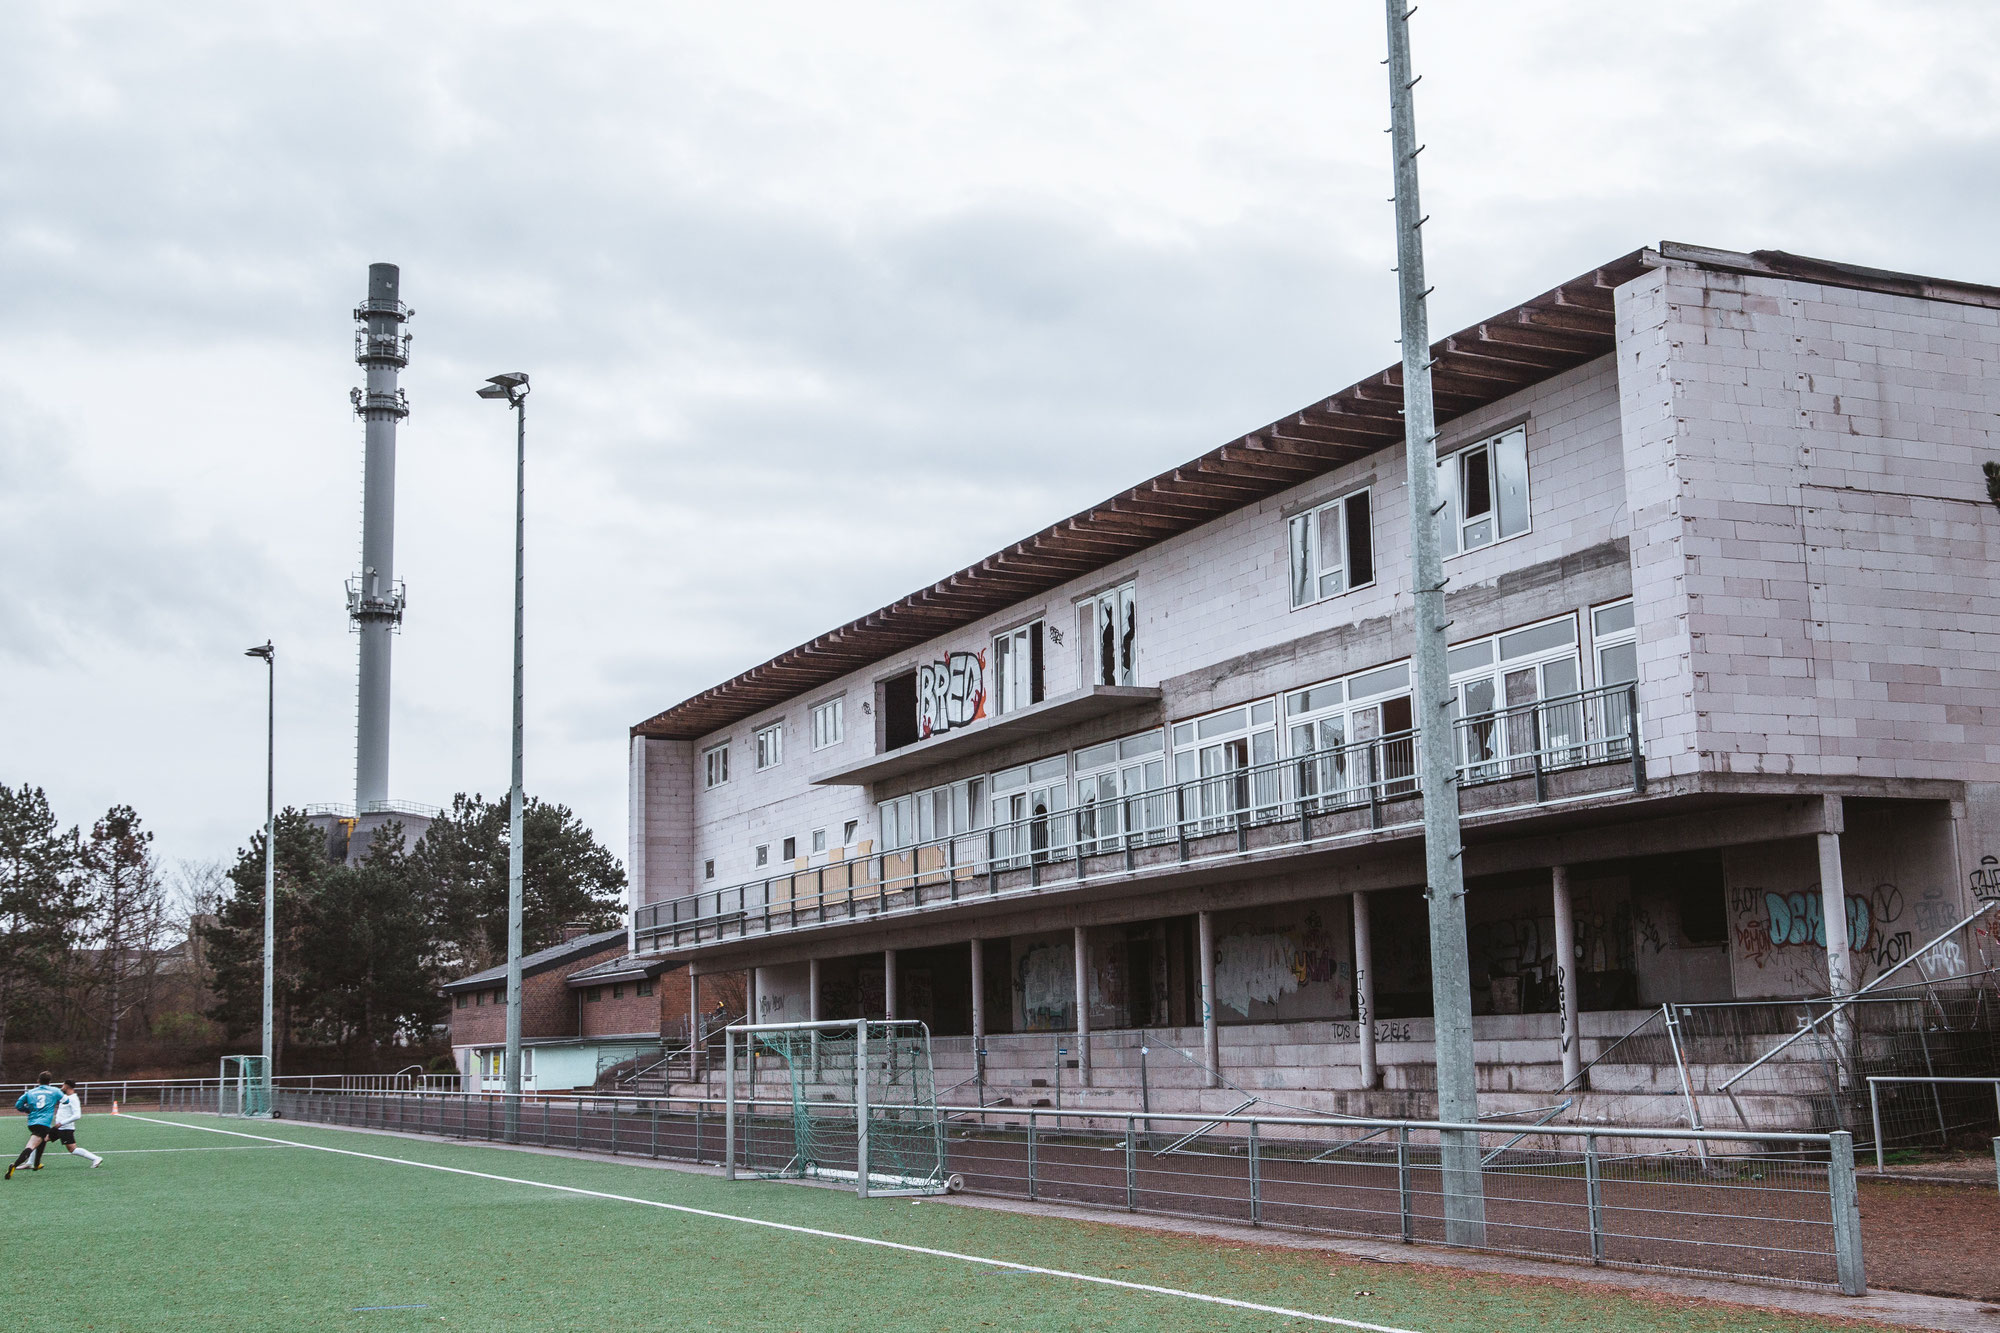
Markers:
(747, 1033)
(249, 1076)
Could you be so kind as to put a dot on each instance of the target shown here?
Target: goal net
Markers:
(852, 1101)
(245, 1086)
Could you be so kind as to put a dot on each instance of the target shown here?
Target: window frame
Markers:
(715, 766)
(1502, 449)
(1600, 642)
(761, 858)
(829, 722)
(643, 988)
(818, 843)
(789, 849)
(708, 870)
(769, 745)
(1121, 601)
(1028, 637)
(1312, 524)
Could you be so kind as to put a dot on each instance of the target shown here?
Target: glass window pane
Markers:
(1478, 534)
(1261, 714)
(1151, 742)
(1128, 636)
(1618, 664)
(1097, 756)
(1612, 619)
(1510, 463)
(1537, 639)
(1183, 733)
(1559, 678)
(1012, 778)
(1470, 656)
(1332, 733)
(1044, 769)
(1302, 570)
(1221, 724)
(1447, 501)
(1263, 747)
(1382, 681)
(1302, 738)
(1330, 546)
(1478, 696)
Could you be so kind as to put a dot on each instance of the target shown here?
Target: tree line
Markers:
(98, 945)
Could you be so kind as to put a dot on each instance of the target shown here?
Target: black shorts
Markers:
(64, 1135)
(41, 1131)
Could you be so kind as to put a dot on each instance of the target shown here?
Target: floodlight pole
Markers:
(513, 389)
(1451, 981)
(270, 656)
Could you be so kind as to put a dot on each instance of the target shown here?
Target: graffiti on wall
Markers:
(951, 693)
(1786, 932)
(1045, 978)
(1260, 966)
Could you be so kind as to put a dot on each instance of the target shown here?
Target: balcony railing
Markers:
(1554, 750)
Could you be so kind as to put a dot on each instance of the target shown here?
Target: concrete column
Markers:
(1211, 1049)
(1568, 1020)
(812, 990)
(751, 985)
(1080, 951)
(1364, 992)
(694, 1023)
(889, 983)
(978, 1002)
(1839, 958)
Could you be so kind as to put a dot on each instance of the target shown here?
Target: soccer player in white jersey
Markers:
(68, 1111)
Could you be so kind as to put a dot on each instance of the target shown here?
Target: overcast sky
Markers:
(822, 302)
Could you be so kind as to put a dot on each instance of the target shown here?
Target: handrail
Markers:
(1587, 728)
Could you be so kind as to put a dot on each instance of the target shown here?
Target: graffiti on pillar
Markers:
(1260, 966)
(951, 693)
(1045, 978)
(1785, 933)
(1986, 879)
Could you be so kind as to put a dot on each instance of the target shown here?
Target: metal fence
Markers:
(1573, 747)
(1778, 1208)
(159, 1091)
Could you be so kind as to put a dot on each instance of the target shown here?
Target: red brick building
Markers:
(585, 1005)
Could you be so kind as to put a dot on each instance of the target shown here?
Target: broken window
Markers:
(1483, 492)
(1107, 630)
(1017, 658)
(1332, 549)
(715, 765)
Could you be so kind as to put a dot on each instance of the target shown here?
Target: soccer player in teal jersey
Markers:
(40, 1103)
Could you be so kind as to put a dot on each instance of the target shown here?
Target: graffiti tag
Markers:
(951, 693)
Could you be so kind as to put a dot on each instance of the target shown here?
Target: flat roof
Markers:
(1563, 328)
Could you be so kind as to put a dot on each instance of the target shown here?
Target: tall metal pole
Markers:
(270, 656)
(1451, 981)
(514, 838)
(270, 849)
(512, 389)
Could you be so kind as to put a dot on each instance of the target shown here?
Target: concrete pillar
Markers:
(812, 990)
(978, 1004)
(889, 983)
(1568, 1019)
(1211, 1049)
(1839, 957)
(1080, 956)
(694, 1023)
(1364, 992)
(752, 979)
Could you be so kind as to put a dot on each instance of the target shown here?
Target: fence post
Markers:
(1594, 1195)
(614, 1126)
(1133, 1171)
(1846, 1206)
(697, 1131)
(1403, 1179)
(729, 1106)
(1031, 1156)
(1256, 1193)
(1996, 1157)
(656, 1130)
(1875, 1118)
(579, 1124)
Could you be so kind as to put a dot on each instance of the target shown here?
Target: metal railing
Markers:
(1519, 757)
(1776, 1207)
(1946, 1098)
(102, 1092)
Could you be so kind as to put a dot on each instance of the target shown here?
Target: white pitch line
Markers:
(220, 1147)
(1176, 1292)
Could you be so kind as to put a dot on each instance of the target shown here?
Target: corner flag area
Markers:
(203, 1222)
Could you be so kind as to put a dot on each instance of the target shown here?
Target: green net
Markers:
(823, 1074)
(245, 1086)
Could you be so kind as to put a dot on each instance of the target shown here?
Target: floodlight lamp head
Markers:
(511, 387)
(265, 651)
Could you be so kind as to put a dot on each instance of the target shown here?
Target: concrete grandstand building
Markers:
(1131, 806)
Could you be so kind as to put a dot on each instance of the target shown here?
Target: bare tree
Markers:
(129, 920)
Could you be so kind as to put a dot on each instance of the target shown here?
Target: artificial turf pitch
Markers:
(193, 1230)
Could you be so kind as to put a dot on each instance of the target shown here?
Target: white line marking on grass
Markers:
(221, 1147)
(1005, 1264)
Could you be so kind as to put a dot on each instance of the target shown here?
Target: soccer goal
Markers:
(844, 1101)
(245, 1086)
